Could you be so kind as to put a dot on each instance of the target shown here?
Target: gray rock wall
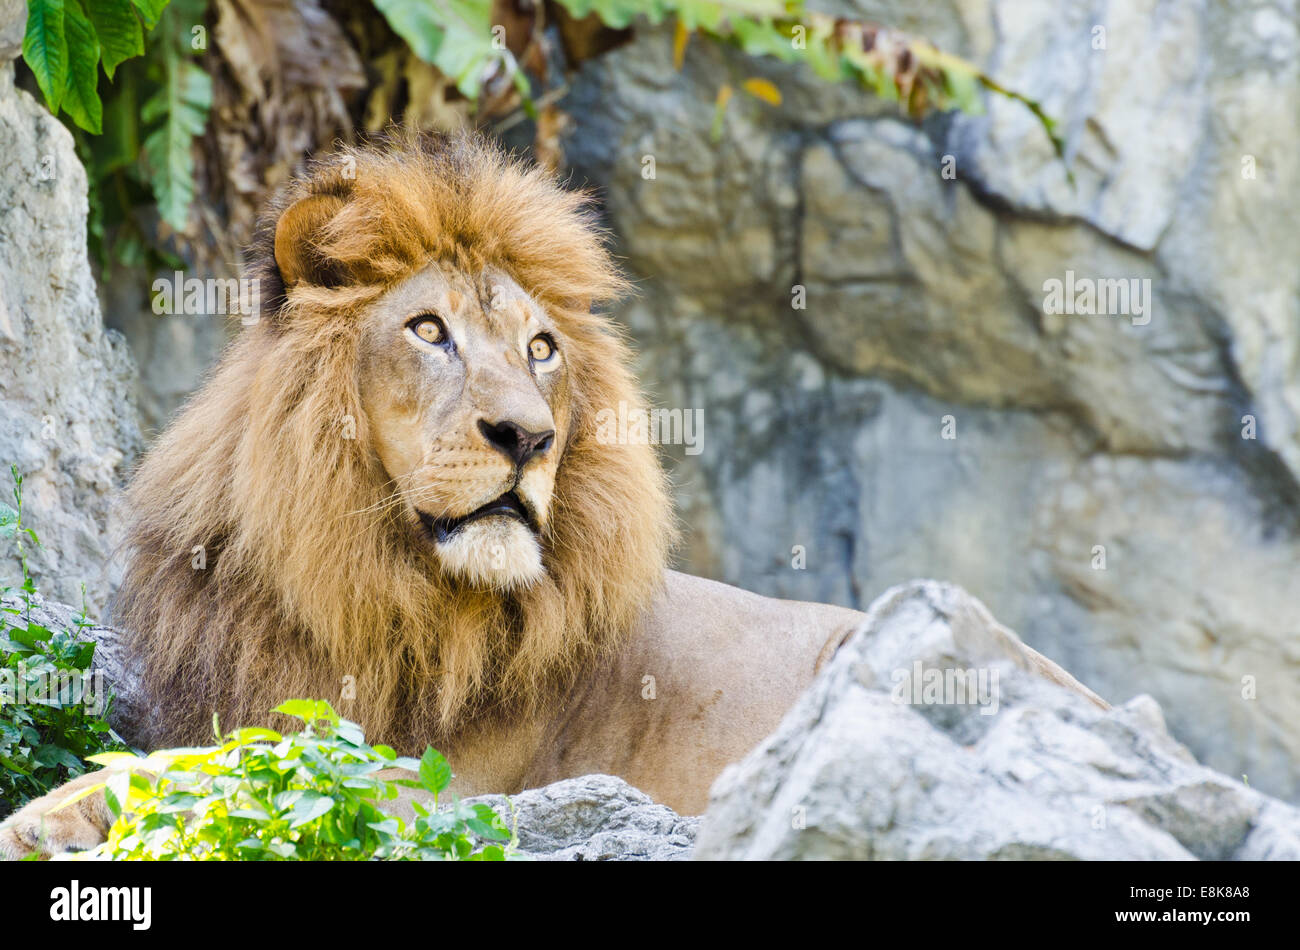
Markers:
(1077, 437)
(67, 412)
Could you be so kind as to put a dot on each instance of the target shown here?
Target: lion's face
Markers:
(465, 387)
(437, 304)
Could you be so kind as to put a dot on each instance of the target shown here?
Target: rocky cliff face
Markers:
(838, 290)
(68, 419)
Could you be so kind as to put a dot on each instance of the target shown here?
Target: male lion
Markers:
(391, 494)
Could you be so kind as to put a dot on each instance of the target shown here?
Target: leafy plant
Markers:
(47, 725)
(136, 141)
(66, 41)
(457, 37)
(313, 795)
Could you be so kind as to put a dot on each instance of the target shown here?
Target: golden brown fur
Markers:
(313, 582)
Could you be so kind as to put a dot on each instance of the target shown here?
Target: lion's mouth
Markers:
(507, 506)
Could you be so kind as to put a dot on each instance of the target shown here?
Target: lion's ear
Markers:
(297, 237)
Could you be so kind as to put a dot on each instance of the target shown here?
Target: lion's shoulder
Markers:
(705, 674)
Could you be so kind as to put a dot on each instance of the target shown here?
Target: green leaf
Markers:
(80, 98)
(255, 734)
(119, 144)
(45, 49)
(416, 22)
(435, 772)
(311, 806)
(389, 826)
(182, 105)
(120, 35)
(308, 710)
(53, 755)
(149, 10)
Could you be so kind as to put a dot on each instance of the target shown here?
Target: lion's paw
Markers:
(38, 828)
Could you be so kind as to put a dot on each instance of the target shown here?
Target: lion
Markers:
(392, 493)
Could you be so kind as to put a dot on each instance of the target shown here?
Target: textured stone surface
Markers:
(594, 818)
(864, 767)
(924, 299)
(13, 23)
(68, 419)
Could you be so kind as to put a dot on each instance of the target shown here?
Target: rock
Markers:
(69, 421)
(869, 765)
(1126, 495)
(594, 818)
(13, 25)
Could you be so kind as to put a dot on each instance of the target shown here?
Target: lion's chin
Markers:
(495, 552)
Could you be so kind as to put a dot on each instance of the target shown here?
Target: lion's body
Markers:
(724, 666)
(391, 494)
(707, 672)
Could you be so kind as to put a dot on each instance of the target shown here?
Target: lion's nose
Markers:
(517, 443)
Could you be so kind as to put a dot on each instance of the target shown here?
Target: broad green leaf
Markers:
(311, 806)
(182, 105)
(416, 21)
(150, 10)
(107, 759)
(255, 734)
(45, 49)
(389, 826)
(80, 97)
(435, 772)
(308, 710)
(52, 755)
(118, 28)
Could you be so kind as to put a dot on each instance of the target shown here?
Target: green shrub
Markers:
(47, 726)
(313, 795)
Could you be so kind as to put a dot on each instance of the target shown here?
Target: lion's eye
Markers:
(429, 328)
(542, 348)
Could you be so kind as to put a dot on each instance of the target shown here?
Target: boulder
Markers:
(926, 737)
(594, 818)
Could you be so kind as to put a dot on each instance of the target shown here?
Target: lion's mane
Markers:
(266, 559)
